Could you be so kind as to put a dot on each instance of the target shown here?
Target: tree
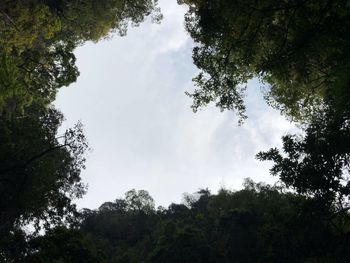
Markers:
(62, 245)
(298, 47)
(93, 20)
(260, 223)
(28, 30)
(40, 170)
(317, 164)
(39, 37)
(122, 229)
(13, 246)
(139, 201)
(25, 24)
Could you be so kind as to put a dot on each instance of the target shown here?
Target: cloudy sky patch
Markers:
(130, 97)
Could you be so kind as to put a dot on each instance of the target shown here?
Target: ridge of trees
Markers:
(260, 223)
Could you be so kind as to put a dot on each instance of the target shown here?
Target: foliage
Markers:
(40, 171)
(13, 246)
(318, 163)
(139, 201)
(24, 24)
(62, 245)
(93, 20)
(38, 37)
(260, 223)
(298, 47)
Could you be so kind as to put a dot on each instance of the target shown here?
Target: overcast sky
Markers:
(130, 98)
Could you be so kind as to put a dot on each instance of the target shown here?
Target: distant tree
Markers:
(139, 201)
(118, 206)
(299, 48)
(122, 229)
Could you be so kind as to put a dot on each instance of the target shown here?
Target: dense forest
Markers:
(260, 223)
(297, 49)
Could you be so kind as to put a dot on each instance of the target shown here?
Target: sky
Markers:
(130, 96)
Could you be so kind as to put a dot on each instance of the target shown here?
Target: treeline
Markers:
(260, 223)
(298, 49)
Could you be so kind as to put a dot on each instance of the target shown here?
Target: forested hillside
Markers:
(260, 223)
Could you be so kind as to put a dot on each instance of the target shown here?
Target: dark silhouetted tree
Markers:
(299, 48)
(40, 170)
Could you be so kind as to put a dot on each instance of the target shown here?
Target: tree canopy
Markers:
(40, 170)
(317, 163)
(299, 48)
(260, 223)
(39, 37)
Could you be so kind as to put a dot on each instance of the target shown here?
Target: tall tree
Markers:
(298, 47)
(40, 170)
(317, 163)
